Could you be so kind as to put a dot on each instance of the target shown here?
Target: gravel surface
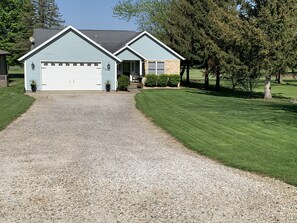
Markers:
(95, 158)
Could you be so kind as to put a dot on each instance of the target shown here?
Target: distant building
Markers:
(3, 69)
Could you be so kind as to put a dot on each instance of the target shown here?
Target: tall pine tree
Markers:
(277, 19)
(47, 15)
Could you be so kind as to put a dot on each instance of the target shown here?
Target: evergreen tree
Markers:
(182, 32)
(277, 19)
(16, 26)
(47, 15)
(195, 30)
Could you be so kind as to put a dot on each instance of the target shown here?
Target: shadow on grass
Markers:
(15, 75)
(284, 107)
(290, 82)
(223, 92)
(227, 92)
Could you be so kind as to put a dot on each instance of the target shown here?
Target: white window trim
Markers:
(156, 65)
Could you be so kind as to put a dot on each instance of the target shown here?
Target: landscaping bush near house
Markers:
(123, 82)
(151, 80)
(162, 80)
(173, 80)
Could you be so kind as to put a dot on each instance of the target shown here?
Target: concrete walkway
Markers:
(95, 158)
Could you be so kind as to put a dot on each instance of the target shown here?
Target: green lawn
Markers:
(247, 133)
(288, 87)
(13, 102)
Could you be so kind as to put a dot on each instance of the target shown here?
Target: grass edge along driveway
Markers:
(13, 102)
(249, 134)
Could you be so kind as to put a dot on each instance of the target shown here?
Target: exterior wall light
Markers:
(108, 67)
(33, 66)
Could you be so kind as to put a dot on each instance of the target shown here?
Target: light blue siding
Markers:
(151, 50)
(128, 55)
(70, 48)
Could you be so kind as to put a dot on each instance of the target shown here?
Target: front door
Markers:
(126, 68)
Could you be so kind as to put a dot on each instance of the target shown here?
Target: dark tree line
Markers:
(18, 18)
(239, 40)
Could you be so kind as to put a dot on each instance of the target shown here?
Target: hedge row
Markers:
(162, 80)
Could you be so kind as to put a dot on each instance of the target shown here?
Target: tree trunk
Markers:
(188, 72)
(218, 74)
(267, 88)
(278, 78)
(206, 78)
(182, 72)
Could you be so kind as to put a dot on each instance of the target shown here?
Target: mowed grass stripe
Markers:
(221, 131)
(246, 133)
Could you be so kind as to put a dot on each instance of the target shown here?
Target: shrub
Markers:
(151, 80)
(173, 80)
(123, 82)
(162, 80)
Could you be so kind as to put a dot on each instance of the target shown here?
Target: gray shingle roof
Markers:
(112, 40)
(2, 52)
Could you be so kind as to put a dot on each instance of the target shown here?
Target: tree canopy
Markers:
(18, 18)
(47, 15)
(240, 40)
(149, 15)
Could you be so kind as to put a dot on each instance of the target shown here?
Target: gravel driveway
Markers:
(95, 158)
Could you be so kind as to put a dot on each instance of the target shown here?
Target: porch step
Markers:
(132, 86)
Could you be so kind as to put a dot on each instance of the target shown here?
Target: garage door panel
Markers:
(71, 76)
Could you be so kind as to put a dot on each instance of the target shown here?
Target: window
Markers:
(96, 64)
(60, 64)
(67, 64)
(82, 64)
(160, 67)
(151, 67)
(89, 64)
(45, 64)
(53, 64)
(156, 67)
(74, 64)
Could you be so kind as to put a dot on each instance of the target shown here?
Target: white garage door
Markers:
(71, 76)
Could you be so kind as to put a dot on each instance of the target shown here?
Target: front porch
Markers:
(134, 69)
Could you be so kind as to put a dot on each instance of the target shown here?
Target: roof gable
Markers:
(57, 35)
(150, 36)
(127, 48)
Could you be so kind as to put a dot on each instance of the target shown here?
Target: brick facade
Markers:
(171, 66)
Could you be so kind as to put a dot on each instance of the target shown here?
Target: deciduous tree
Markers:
(149, 15)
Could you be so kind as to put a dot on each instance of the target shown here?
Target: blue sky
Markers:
(92, 14)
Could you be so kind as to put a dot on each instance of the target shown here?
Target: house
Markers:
(72, 59)
(3, 69)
